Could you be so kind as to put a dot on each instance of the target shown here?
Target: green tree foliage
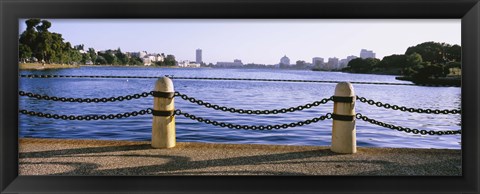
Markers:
(25, 53)
(454, 53)
(170, 60)
(427, 70)
(435, 58)
(38, 42)
(436, 53)
(135, 61)
(100, 60)
(121, 57)
(420, 62)
(393, 61)
(92, 54)
(109, 56)
(360, 65)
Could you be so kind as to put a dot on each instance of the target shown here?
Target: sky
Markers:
(258, 41)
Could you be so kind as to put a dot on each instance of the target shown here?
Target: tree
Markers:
(121, 57)
(436, 53)
(428, 70)
(134, 60)
(413, 62)
(360, 65)
(453, 53)
(24, 52)
(37, 41)
(100, 60)
(393, 61)
(44, 27)
(170, 60)
(92, 54)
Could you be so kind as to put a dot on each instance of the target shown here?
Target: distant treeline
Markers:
(425, 60)
(37, 44)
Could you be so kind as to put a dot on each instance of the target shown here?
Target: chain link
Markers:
(87, 117)
(253, 127)
(405, 109)
(258, 112)
(86, 100)
(405, 129)
(86, 76)
(205, 78)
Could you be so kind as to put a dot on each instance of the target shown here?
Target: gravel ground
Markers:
(96, 157)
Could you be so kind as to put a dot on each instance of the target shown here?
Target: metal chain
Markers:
(405, 129)
(258, 112)
(253, 127)
(87, 117)
(86, 76)
(405, 109)
(205, 78)
(86, 100)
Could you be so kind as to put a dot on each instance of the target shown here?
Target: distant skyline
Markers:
(256, 40)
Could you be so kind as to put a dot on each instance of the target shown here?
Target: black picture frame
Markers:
(466, 10)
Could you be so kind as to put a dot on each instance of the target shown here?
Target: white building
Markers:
(198, 56)
(317, 61)
(285, 60)
(235, 63)
(364, 53)
(146, 61)
(332, 63)
(147, 58)
(187, 63)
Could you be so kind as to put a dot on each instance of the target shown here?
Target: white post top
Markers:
(164, 84)
(344, 89)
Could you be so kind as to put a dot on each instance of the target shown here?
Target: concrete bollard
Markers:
(343, 128)
(163, 124)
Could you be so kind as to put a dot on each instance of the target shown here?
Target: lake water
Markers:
(237, 94)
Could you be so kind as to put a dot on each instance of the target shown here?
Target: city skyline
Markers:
(256, 41)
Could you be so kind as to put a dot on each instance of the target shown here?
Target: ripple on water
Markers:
(238, 94)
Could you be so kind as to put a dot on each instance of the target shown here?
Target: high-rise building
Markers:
(364, 53)
(317, 61)
(332, 63)
(198, 58)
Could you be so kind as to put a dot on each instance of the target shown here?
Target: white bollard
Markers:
(343, 129)
(163, 124)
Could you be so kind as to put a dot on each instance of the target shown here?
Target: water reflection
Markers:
(238, 94)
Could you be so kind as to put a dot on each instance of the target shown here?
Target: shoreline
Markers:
(39, 66)
(135, 66)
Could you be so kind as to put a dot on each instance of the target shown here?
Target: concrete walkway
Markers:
(94, 157)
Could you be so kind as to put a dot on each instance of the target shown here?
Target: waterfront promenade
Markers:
(101, 157)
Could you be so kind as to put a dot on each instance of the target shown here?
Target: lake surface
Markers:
(237, 94)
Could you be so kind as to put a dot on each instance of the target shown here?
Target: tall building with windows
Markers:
(364, 53)
(317, 61)
(198, 56)
(332, 63)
